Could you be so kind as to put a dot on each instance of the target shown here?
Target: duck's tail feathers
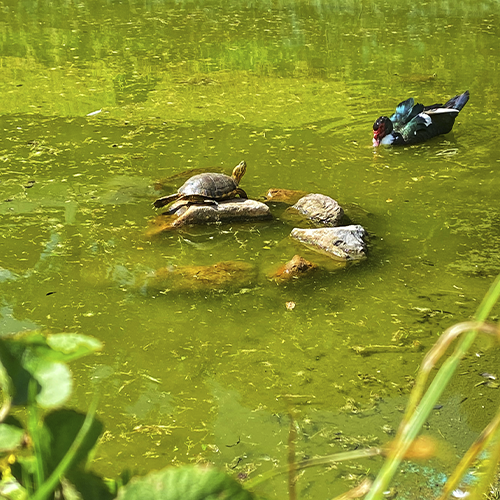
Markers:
(458, 102)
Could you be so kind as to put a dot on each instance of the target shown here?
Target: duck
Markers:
(413, 123)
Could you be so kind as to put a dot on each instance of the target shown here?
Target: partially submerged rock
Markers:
(288, 196)
(236, 209)
(227, 274)
(159, 224)
(340, 243)
(318, 208)
(294, 268)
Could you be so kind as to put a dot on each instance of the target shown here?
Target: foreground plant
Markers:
(45, 458)
(408, 444)
(421, 404)
(54, 442)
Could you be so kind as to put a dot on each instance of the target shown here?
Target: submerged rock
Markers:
(294, 268)
(228, 274)
(237, 209)
(340, 243)
(318, 208)
(288, 196)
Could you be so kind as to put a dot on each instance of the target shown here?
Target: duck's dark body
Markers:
(413, 123)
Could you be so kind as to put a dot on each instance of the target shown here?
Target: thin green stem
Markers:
(471, 455)
(312, 462)
(410, 431)
(48, 487)
(489, 301)
(34, 430)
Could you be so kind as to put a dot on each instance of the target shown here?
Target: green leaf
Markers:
(56, 383)
(65, 465)
(70, 346)
(32, 354)
(88, 485)
(62, 427)
(18, 375)
(23, 465)
(185, 483)
(11, 437)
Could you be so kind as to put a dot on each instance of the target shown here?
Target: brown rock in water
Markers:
(237, 209)
(228, 274)
(159, 224)
(318, 208)
(294, 268)
(340, 243)
(288, 196)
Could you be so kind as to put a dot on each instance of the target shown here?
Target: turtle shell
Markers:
(211, 185)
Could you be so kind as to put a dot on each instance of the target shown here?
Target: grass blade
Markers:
(48, 487)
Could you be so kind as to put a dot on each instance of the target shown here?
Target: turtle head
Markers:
(239, 171)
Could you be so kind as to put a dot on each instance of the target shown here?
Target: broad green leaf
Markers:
(6, 385)
(11, 359)
(23, 465)
(10, 437)
(33, 354)
(185, 483)
(10, 489)
(70, 346)
(25, 337)
(87, 485)
(53, 347)
(56, 384)
(62, 427)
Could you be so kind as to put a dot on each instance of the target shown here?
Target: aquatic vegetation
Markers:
(48, 453)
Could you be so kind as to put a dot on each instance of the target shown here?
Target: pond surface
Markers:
(101, 102)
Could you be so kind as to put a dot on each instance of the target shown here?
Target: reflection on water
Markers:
(293, 88)
(8, 322)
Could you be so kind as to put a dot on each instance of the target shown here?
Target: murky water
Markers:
(293, 88)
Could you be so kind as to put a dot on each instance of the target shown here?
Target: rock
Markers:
(159, 224)
(237, 209)
(318, 208)
(288, 196)
(228, 274)
(340, 243)
(294, 268)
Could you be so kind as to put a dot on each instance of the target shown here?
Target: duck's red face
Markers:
(381, 128)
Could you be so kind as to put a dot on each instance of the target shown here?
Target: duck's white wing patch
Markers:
(438, 111)
(427, 118)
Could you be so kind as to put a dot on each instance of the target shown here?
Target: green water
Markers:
(293, 88)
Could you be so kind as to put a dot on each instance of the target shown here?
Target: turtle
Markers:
(208, 187)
